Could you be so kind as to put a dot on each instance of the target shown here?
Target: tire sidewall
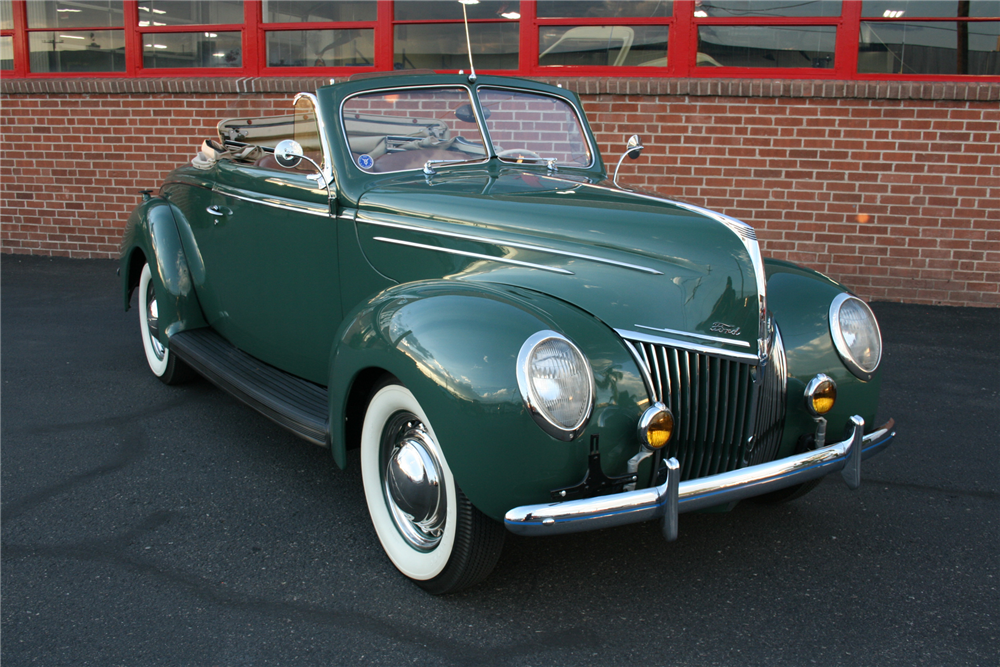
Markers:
(158, 366)
(417, 565)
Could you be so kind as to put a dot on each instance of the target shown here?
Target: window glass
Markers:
(524, 126)
(604, 8)
(6, 15)
(321, 48)
(401, 130)
(191, 49)
(765, 8)
(64, 15)
(296, 11)
(938, 47)
(908, 9)
(189, 12)
(87, 51)
(766, 46)
(617, 46)
(6, 53)
(442, 46)
(450, 10)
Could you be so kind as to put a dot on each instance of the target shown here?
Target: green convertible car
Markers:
(440, 271)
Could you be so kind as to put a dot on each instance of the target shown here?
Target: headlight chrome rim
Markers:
(531, 401)
(843, 349)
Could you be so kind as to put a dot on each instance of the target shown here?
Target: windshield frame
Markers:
(473, 101)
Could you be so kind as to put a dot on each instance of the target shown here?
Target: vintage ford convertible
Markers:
(436, 269)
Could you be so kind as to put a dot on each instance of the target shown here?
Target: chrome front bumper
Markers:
(669, 499)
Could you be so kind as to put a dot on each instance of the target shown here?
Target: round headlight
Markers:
(856, 335)
(556, 384)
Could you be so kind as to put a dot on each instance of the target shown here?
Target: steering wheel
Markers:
(520, 153)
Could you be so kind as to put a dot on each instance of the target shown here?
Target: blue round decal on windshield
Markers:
(365, 161)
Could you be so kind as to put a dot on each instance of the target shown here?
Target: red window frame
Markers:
(681, 47)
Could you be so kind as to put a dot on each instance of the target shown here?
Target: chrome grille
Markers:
(727, 413)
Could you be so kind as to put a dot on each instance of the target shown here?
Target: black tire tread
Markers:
(478, 543)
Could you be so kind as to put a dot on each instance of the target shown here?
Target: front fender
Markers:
(152, 231)
(454, 345)
(800, 301)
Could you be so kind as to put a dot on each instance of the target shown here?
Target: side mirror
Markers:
(634, 147)
(288, 153)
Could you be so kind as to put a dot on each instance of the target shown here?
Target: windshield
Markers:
(527, 127)
(399, 130)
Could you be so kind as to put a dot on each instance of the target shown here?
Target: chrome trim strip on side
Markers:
(273, 204)
(475, 255)
(348, 214)
(686, 345)
(670, 498)
(717, 339)
(366, 218)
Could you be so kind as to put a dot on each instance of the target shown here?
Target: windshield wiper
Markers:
(550, 162)
(429, 168)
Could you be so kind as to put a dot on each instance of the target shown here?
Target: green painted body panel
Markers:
(705, 274)
(439, 279)
(454, 345)
(800, 299)
(152, 230)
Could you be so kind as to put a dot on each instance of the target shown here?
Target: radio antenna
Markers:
(468, 43)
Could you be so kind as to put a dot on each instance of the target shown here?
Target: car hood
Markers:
(640, 263)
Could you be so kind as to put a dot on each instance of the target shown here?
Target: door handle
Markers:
(215, 209)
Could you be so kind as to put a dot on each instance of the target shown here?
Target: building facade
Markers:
(858, 138)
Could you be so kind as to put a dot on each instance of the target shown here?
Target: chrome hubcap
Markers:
(413, 482)
(153, 321)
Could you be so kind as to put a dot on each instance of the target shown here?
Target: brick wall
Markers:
(890, 188)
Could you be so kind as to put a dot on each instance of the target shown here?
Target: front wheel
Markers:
(427, 527)
(164, 365)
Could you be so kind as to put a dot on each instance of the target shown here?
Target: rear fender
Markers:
(454, 345)
(151, 236)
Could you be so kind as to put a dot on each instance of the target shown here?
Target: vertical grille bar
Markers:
(718, 406)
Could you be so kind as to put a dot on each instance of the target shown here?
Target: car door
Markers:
(272, 267)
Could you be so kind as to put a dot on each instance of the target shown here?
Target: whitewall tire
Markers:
(164, 365)
(427, 527)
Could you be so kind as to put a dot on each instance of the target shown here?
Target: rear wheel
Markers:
(164, 365)
(427, 526)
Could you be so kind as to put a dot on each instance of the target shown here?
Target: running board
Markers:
(300, 406)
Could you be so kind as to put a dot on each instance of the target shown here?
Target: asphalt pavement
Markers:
(151, 525)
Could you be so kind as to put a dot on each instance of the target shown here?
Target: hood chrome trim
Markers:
(475, 255)
(687, 345)
(715, 339)
(365, 218)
